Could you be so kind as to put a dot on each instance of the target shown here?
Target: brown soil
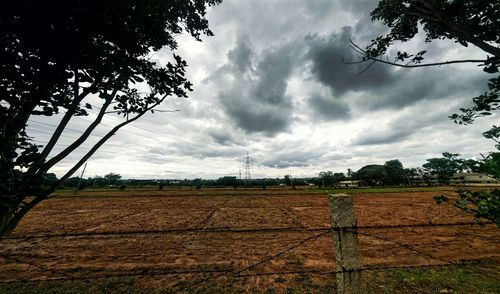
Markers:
(187, 236)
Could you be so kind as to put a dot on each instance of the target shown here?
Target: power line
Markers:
(52, 125)
(142, 136)
(156, 134)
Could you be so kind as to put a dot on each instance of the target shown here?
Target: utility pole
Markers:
(81, 176)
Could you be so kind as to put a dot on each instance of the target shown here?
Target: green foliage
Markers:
(485, 204)
(444, 167)
(227, 181)
(493, 134)
(477, 278)
(330, 178)
(441, 199)
(49, 179)
(465, 22)
(112, 178)
(451, 163)
(372, 174)
(391, 173)
(490, 164)
(483, 105)
(395, 172)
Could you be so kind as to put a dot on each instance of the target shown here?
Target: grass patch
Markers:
(481, 278)
(109, 285)
(477, 278)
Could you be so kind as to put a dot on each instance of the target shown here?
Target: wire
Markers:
(52, 125)
(156, 134)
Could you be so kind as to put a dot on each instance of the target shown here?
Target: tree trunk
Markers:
(10, 220)
(4, 223)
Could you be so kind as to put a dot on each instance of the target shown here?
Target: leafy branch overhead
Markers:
(58, 56)
(471, 22)
(483, 204)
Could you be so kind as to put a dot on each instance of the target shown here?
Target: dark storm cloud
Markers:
(241, 56)
(221, 136)
(329, 108)
(382, 86)
(253, 83)
(330, 56)
(254, 96)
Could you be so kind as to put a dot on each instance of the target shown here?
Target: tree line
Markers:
(391, 173)
(440, 169)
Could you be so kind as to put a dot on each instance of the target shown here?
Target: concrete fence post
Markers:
(346, 244)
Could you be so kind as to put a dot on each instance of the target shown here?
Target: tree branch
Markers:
(460, 31)
(62, 124)
(98, 145)
(36, 167)
(363, 53)
(46, 166)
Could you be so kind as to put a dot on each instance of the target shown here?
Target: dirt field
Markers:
(255, 235)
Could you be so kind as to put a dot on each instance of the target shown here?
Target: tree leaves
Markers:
(445, 167)
(441, 199)
(56, 53)
(483, 105)
(485, 204)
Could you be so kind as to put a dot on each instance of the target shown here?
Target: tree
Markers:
(49, 179)
(288, 180)
(337, 177)
(326, 178)
(330, 178)
(372, 174)
(227, 181)
(112, 178)
(469, 22)
(56, 55)
(444, 167)
(490, 165)
(395, 172)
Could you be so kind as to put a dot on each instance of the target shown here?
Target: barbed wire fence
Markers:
(343, 230)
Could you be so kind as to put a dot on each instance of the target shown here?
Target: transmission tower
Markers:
(247, 163)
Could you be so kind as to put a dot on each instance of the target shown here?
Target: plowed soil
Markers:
(257, 235)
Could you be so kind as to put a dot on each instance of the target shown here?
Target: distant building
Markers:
(466, 179)
(472, 178)
(348, 184)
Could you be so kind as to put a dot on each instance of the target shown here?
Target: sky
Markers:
(275, 82)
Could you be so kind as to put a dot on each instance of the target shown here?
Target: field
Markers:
(183, 240)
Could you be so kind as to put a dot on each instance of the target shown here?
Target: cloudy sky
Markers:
(271, 82)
